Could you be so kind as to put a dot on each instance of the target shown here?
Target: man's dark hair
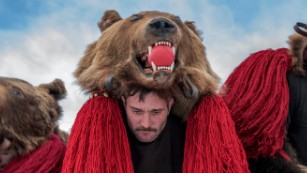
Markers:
(164, 94)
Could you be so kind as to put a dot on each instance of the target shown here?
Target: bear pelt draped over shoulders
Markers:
(152, 49)
(30, 114)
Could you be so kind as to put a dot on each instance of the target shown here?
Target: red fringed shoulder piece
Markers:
(212, 145)
(46, 159)
(258, 97)
(98, 141)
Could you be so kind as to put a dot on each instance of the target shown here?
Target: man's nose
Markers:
(145, 123)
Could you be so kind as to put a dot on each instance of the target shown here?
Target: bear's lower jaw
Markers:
(149, 82)
(161, 76)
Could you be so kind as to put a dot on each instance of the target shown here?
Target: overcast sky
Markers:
(41, 40)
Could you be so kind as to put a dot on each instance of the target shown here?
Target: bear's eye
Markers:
(15, 91)
(135, 17)
(177, 19)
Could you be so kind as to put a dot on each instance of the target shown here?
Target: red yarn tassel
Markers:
(47, 158)
(212, 145)
(98, 141)
(258, 97)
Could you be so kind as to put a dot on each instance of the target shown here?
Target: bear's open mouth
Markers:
(159, 56)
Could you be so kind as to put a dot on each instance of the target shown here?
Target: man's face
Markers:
(6, 154)
(146, 118)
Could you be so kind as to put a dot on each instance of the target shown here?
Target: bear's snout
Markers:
(161, 27)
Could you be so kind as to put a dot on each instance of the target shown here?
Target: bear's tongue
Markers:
(161, 56)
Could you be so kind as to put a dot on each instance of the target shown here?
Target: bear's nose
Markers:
(161, 27)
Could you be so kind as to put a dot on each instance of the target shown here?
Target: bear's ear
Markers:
(191, 25)
(56, 88)
(298, 49)
(109, 18)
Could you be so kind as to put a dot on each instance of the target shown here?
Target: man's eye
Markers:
(138, 112)
(156, 112)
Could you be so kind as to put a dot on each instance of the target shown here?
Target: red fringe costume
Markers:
(257, 95)
(258, 98)
(47, 158)
(98, 140)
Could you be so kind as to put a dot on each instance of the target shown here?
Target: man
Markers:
(5, 153)
(156, 138)
(297, 79)
(297, 120)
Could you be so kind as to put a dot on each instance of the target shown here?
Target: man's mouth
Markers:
(159, 56)
(146, 130)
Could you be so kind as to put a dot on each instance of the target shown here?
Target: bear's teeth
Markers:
(153, 65)
(165, 68)
(172, 66)
(149, 50)
(165, 43)
(156, 68)
(174, 50)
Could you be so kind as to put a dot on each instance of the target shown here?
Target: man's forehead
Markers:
(146, 104)
(147, 108)
(144, 97)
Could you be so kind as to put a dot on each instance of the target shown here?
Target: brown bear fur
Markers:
(116, 51)
(29, 114)
(298, 51)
